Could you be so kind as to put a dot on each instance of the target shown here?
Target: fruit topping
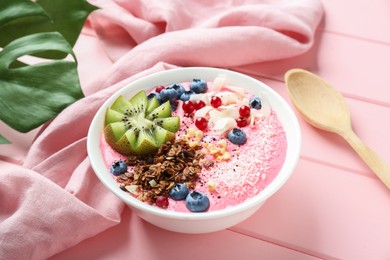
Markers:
(168, 123)
(188, 107)
(139, 126)
(174, 105)
(255, 103)
(169, 94)
(197, 201)
(179, 191)
(186, 95)
(118, 167)
(199, 104)
(201, 123)
(154, 102)
(237, 136)
(159, 89)
(244, 111)
(154, 94)
(164, 110)
(216, 101)
(198, 86)
(162, 202)
(179, 89)
(242, 121)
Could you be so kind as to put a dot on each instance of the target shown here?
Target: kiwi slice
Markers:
(169, 123)
(161, 111)
(138, 126)
(153, 104)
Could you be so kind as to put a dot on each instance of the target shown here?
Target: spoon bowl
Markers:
(322, 106)
(318, 102)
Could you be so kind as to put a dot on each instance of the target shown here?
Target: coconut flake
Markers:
(218, 83)
(228, 97)
(198, 97)
(203, 111)
(223, 125)
(255, 114)
(265, 107)
(238, 90)
(231, 112)
(215, 115)
(223, 112)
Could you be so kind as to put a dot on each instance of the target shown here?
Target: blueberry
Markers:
(198, 86)
(186, 95)
(168, 94)
(174, 105)
(118, 167)
(255, 103)
(197, 202)
(155, 94)
(237, 136)
(179, 191)
(179, 89)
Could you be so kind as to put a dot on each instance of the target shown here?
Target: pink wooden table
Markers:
(333, 207)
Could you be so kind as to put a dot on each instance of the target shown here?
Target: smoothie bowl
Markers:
(194, 150)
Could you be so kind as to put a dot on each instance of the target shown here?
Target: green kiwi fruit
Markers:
(139, 126)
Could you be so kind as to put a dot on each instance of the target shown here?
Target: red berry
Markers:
(242, 121)
(188, 107)
(201, 123)
(244, 111)
(199, 104)
(216, 101)
(159, 89)
(162, 202)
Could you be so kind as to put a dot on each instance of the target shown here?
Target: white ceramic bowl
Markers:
(206, 221)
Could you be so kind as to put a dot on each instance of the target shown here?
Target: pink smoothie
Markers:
(239, 172)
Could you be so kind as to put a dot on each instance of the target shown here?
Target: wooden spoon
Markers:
(324, 107)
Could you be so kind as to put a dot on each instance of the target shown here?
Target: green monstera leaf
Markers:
(31, 94)
(24, 17)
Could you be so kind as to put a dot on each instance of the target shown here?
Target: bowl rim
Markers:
(292, 153)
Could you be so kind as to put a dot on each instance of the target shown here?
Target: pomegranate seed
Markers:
(159, 89)
(188, 107)
(242, 121)
(201, 123)
(162, 202)
(244, 111)
(216, 101)
(199, 104)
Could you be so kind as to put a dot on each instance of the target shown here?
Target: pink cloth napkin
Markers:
(54, 201)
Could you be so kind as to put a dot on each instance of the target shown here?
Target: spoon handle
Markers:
(376, 164)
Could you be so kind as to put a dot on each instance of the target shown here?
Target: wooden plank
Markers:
(136, 239)
(362, 19)
(328, 213)
(356, 67)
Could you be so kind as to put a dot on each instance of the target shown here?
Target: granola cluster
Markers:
(153, 176)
